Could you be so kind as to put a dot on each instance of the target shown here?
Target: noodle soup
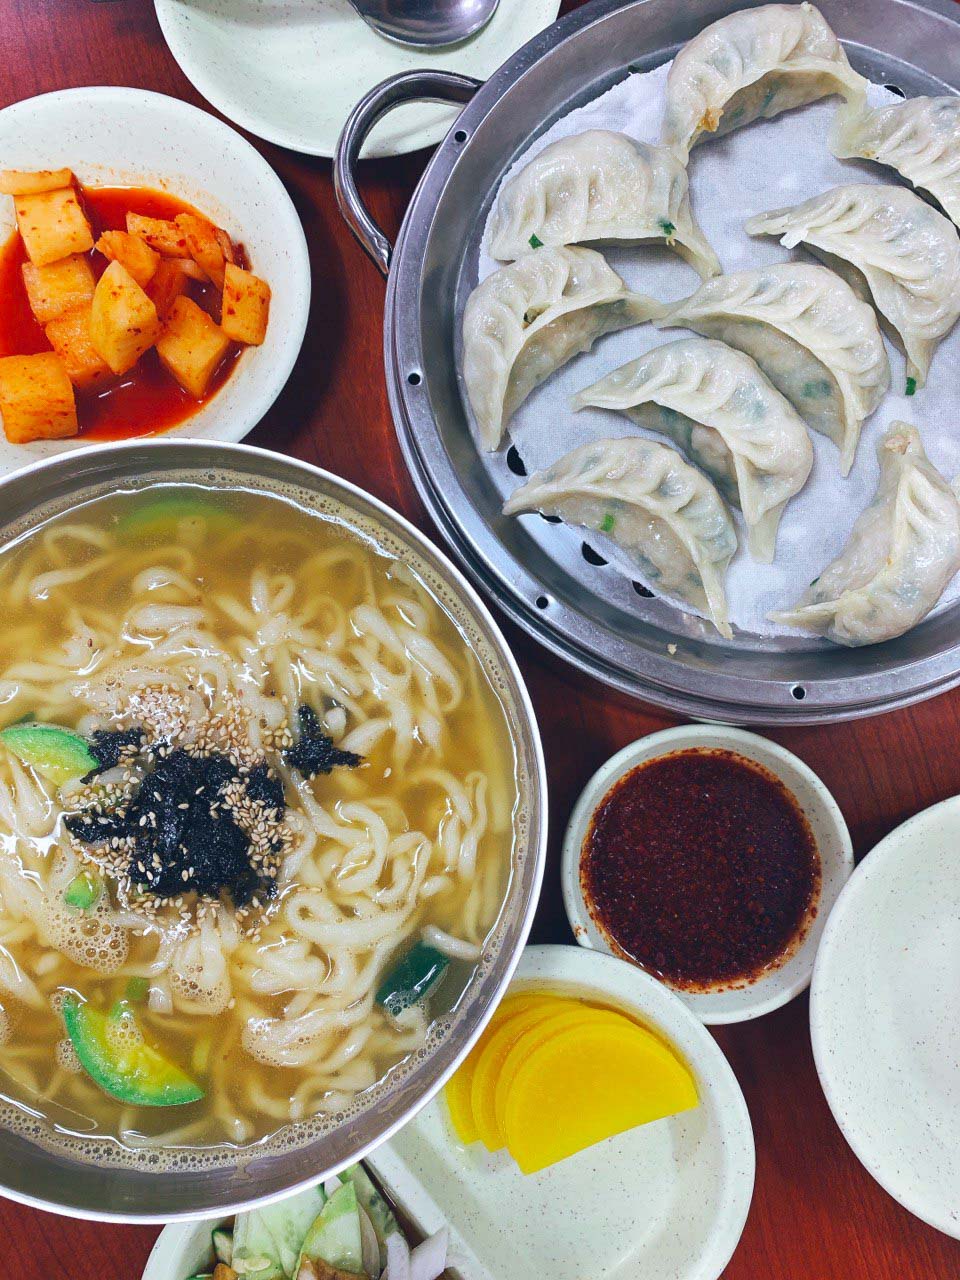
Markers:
(257, 817)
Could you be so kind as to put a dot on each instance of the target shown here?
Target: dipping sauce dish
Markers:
(700, 866)
(710, 857)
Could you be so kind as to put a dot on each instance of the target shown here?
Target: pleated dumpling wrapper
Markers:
(526, 320)
(726, 416)
(893, 249)
(662, 513)
(920, 138)
(599, 187)
(751, 65)
(899, 558)
(817, 342)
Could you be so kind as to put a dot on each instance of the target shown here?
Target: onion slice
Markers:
(429, 1259)
(369, 1244)
(398, 1258)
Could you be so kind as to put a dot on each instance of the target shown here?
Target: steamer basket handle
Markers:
(409, 86)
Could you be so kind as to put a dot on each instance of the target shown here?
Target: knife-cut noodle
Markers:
(301, 772)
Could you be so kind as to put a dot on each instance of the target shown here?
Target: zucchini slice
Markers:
(114, 1054)
(412, 978)
(56, 753)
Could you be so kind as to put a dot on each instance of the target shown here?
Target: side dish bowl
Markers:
(572, 1219)
(158, 1184)
(780, 983)
(131, 138)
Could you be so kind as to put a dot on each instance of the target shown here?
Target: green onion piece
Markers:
(411, 979)
(137, 990)
(911, 386)
(607, 523)
(536, 242)
(83, 891)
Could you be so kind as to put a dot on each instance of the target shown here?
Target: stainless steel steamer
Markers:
(583, 611)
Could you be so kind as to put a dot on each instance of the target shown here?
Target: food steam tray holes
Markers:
(766, 165)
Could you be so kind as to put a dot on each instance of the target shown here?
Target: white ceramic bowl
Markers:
(777, 985)
(182, 1249)
(884, 1014)
(665, 1201)
(128, 137)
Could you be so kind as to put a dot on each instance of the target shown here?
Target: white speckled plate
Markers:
(291, 70)
(128, 137)
(666, 1201)
(885, 1014)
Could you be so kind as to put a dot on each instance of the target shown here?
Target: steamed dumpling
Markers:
(666, 516)
(889, 245)
(526, 320)
(750, 65)
(603, 187)
(920, 138)
(903, 551)
(810, 334)
(719, 407)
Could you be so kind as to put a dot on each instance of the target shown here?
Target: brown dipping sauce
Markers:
(701, 867)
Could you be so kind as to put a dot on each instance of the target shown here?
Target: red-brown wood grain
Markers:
(816, 1215)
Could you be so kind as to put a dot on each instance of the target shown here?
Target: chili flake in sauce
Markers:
(701, 867)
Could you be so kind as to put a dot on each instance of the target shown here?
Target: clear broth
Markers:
(289, 607)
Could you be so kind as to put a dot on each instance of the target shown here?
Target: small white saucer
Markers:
(884, 1014)
(778, 985)
(291, 70)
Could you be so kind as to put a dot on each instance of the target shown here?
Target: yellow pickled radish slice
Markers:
(457, 1092)
(487, 1069)
(589, 1083)
(574, 1013)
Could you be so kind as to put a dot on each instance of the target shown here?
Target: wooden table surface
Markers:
(816, 1214)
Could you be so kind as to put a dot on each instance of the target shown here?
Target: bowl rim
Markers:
(280, 210)
(100, 455)
(711, 1008)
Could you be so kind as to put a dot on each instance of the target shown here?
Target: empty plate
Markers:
(884, 1014)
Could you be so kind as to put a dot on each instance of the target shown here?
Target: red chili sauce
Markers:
(701, 867)
(146, 398)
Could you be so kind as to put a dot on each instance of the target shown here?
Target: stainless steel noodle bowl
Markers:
(272, 827)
